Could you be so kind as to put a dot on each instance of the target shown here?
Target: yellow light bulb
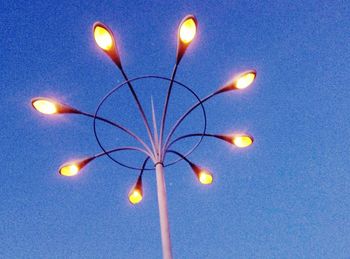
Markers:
(205, 177)
(103, 38)
(188, 31)
(245, 80)
(69, 170)
(135, 196)
(45, 106)
(242, 141)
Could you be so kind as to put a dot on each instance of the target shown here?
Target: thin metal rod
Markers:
(121, 149)
(139, 106)
(178, 122)
(155, 130)
(126, 130)
(88, 160)
(144, 166)
(163, 212)
(165, 109)
(180, 155)
(191, 135)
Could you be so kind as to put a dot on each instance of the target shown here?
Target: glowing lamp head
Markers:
(45, 106)
(187, 30)
(205, 177)
(103, 37)
(69, 169)
(136, 193)
(49, 106)
(105, 40)
(186, 33)
(135, 196)
(73, 168)
(244, 80)
(242, 141)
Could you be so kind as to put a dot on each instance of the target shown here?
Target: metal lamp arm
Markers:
(192, 135)
(122, 149)
(178, 122)
(126, 130)
(86, 161)
(144, 166)
(139, 106)
(180, 155)
(165, 109)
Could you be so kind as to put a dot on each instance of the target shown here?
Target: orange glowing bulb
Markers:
(242, 141)
(135, 196)
(188, 30)
(245, 80)
(205, 177)
(103, 38)
(69, 170)
(45, 106)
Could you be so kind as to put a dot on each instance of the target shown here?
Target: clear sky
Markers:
(287, 196)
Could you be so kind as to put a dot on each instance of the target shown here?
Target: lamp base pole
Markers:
(163, 212)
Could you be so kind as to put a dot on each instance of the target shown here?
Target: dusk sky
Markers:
(286, 196)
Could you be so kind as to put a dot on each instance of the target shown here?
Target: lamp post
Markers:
(156, 147)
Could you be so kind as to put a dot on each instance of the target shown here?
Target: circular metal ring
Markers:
(139, 78)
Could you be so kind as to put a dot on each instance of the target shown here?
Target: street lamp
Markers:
(105, 40)
(156, 147)
(50, 106)
(186, 32)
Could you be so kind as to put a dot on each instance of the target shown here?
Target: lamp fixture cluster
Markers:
(157, 146)
(106, 41)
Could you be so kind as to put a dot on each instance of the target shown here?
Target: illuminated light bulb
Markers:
(205, 177)
(242, 141)
(135, 196)
(72, 168)
(69, 170)
(188, 30)
(103, 38)
(45, 106)
(245, 80)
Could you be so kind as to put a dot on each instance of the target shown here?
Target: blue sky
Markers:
(287, 196)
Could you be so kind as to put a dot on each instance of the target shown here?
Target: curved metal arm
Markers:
(139, 106)
(165, 109)
(85, 161)
(178, 122)
(121, 149)
(180, 155)
(194, 135)
(126, 130)
(144, 166)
